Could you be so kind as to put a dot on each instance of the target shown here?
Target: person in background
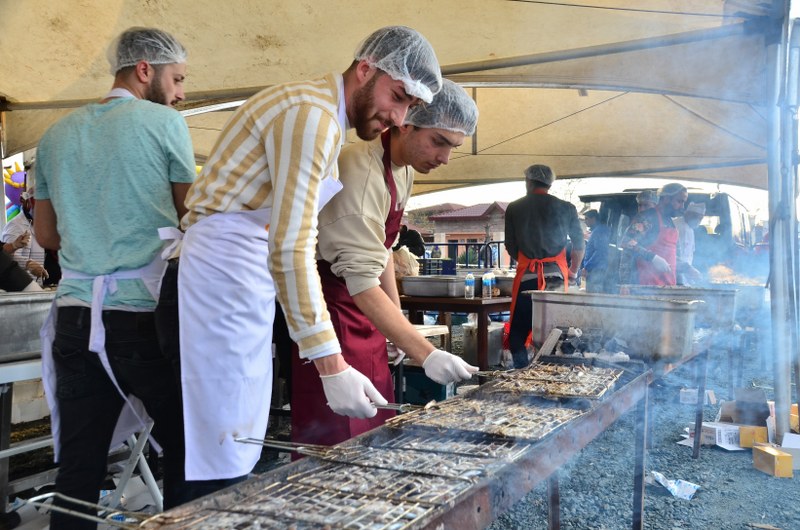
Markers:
(251, 234)
(436, 253)
(649, 246)
(19, 237)
(686, 274)
(130, 157)
(13, 278)
(412, 240)
(358, 272)
(646, 199)
(537, 229)
(595, 259)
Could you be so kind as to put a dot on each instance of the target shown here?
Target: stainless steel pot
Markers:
(21, 318)
(654, 328)
(718, 312)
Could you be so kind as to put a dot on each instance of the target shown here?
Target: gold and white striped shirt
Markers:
(273, 153)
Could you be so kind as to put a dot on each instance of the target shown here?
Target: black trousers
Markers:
(521, 320)
(89, 404)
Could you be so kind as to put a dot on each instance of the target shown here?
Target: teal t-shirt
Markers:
(107, 170)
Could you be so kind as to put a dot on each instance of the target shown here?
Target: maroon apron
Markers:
(666, 246)
(363, 348)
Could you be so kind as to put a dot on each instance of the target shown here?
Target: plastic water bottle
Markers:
(487, 281)
(469, 286)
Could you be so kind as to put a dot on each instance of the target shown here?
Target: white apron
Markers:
(133, 417)
(227, 308)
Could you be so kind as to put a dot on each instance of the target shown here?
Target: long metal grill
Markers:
(507, 419)
(412, 471)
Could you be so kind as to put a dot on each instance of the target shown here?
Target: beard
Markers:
(155, 91)
(363, 101)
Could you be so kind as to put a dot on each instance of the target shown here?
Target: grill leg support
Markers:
(554, 504)
(641, 420)
(702, 372)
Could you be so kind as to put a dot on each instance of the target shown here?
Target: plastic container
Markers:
(469, 286)
(488, 285)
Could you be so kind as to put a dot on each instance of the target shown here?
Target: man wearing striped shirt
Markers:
(251, 235)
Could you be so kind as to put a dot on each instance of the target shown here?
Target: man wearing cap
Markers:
(251, 233)
(595, 259)
(356, 230)
(686, 274)
(650, 243)
(537, 228)
(108, 176)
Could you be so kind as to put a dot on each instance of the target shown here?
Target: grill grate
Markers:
(383, 483)
(555, 380)
(298, 506)
(467, 444)
(436, 464)
(506, 419)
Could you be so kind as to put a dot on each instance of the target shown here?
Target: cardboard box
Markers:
(772, 461)
(794, 422)
(791, 445)
(771, 404)
(724, 435)
(752, 434)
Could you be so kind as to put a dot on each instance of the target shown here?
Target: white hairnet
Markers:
(144, 44)
(406, 56)
(451, 109)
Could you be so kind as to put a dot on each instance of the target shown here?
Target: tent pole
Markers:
(600, 50)
(790, 145)
(777, 171)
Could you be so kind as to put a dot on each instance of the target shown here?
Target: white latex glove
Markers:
(446, 368)
(350, 393)
(660, 264)
(396, 355)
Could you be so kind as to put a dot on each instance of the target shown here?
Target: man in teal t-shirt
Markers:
(109, 175)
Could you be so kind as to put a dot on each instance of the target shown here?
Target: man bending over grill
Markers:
(357, 229)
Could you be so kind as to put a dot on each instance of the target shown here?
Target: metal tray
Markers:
(719, 310)
(446, 286)
(654, 328)
(21, 318)
(505, 284)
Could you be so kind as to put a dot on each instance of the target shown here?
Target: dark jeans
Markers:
(89, 404)
(521, 320)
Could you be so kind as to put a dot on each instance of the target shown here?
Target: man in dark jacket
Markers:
(537, 228)
(595, 261)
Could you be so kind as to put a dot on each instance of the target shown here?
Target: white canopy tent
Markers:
(698, 90)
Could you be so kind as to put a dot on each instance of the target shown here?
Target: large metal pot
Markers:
(21, 318)
(718, 312)
(654, 328)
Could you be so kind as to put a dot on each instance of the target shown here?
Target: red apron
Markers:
(525, 264)
(363, 348)
(666, 246)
